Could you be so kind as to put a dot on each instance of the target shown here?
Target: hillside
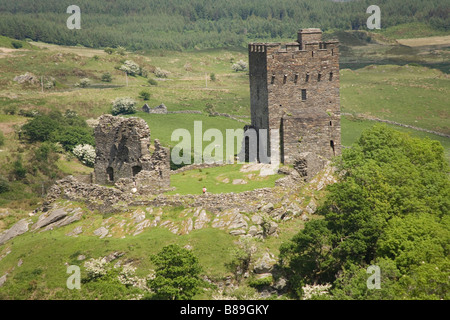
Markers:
(380, 79)
(181, 25)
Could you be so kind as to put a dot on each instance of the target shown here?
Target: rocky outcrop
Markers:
(17, 229)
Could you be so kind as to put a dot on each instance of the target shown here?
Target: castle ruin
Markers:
(123, 155)
(294, 88)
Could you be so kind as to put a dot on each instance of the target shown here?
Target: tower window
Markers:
(319, 77)
(307, 77)
(110, 173)
(303, 94)
(331, 76)
(272, 80)
(332, 147)
(295, 78)
(284, 78)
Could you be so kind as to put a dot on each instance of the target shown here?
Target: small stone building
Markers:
(123, 155)
(294, 88)
(161, 109)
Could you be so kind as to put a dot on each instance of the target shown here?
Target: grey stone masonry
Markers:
(123, 151)
(294, 88)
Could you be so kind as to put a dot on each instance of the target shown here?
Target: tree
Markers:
(40, 128)
(391, 202)
(177, 274)
(130, 67)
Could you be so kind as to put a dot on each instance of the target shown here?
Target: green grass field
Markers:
(219, 180)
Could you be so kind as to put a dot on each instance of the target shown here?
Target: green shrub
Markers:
(152, 82)
(16, 44)
(19, 170)
(2, 139)
(71, 136)
(177, 274)
(144, 95)
(4, 185)
(40, 128)
(106, 77)
(109, 50)
(261, 283)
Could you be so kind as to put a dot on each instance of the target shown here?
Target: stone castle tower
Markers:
(294, 87)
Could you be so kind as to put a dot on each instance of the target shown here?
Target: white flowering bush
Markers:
(315, 290)
(239, 66)
(96, 268)
(160, 73)
(85, 153)
(124, 105)
(103, 271)
(130, 67)
(84, 83)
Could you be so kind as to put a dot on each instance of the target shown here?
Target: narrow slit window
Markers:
(307, 77)
(303, 94)
(332, 147)
(331, 76)
(272, 80)
(285, 79)
(295, 78)
(319, 77)
(110, 173)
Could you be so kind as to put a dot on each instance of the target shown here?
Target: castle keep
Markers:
(294, 87)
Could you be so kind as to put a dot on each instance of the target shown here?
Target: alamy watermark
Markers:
(74, 21)
(374, 281)
(254, 146)
(74, 280)
(374, 21)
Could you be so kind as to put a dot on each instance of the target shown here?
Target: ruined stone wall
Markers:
(122, 148)
(123, 155)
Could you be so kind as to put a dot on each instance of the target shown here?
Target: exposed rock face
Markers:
(28, 78)
(123, 155)
(16, 230)
(264, 264)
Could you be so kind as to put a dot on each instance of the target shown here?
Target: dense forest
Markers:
(181, 24)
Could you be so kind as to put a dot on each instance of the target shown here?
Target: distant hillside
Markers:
(180, 24)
